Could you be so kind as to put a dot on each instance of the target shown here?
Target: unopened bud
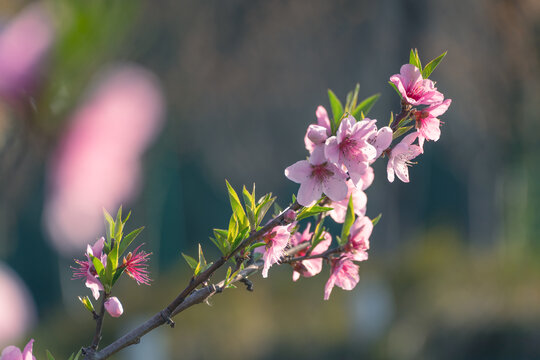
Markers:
(114, 306)
(289, 216)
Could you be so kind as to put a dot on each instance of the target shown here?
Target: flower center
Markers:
(321, 172)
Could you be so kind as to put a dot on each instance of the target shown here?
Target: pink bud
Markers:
(114, 306)
(289, 216)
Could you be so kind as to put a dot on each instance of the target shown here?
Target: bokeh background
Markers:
(153, 104)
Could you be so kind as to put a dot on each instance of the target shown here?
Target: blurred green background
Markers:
(454, 268)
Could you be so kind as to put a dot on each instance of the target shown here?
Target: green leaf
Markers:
(376, 220)
(128, 239)
(100, 269)
(241, 236)
(236, 205)
(366, 105)
(349, 220)
(220, 244)
(201, 265)
(401, 131)
(49, 355)
(233, 229)
(414, 59)
(317, 234)
(78, 355)
(404, 121)
(87, 303)
(311, 211)
(337, 108)
(110, 222)
(348, 101)
(354, 98)
(395, 88)
(254, 246)
(391, 118)
(191, 261)
(118, 225)
(249, 202)
(432, 65)
(263, 207)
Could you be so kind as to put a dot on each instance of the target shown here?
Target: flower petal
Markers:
(298, 172)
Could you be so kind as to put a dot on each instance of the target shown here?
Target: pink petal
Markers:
(439, 109)
(322, 118)
(367, 178)
(336, 186)
(27, 352)
(298, 172)
(331, 149)
(317, 134)
(410, 75)
(309, 192)
(317, 156)
(94, 285)
(431, 129)
(329, 286)
(11, 353)
(390, 170)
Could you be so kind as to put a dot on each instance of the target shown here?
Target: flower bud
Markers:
(114, 306)
(289, 216)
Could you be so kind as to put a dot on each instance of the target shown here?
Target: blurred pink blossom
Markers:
(17, 309)
(97, 164)
(14, 353)
(23, 43)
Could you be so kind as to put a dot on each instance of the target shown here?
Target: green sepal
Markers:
(190, 261)
(49, 355)
(365, 106)
(311, 211)
(414, 59)
(432, 65)
(401, 131)
(337, 109)
(375, 221)
(128, 239)
(87, 303)
(349, 220)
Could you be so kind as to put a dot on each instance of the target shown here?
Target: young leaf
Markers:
(354, 98)
(376, 220)
(201, 266)
(401, 131)
(109, 229)
(337, 107)
(100, 269)
(220, 244)
(414, 59)
(263, 207)
(249, 202)
(348, 101)
(127, 240)
(87, 303)
(349, 220)
(236, 205)
(432, 65)
(191, 261)
(366, 105)
(49, 355)
(391, 118)
(311, 211)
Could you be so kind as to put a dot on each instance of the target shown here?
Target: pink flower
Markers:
(350, 146)
(14, 353)
(114, 306)
(135, 265)
(366, 179)
(317, 176)
(381, 140)
(23, 44)
(87, 270)
(358, 243)
(344, 274)
(340, 207)
(322, 122)
(308, 268)
(414, 89)
(276, 240)
(98, 162)
(427, 122)
(400, 158)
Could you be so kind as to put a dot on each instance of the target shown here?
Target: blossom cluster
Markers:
(338, 171)
(97, 267)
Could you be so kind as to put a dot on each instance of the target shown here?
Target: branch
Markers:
(189, 296)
